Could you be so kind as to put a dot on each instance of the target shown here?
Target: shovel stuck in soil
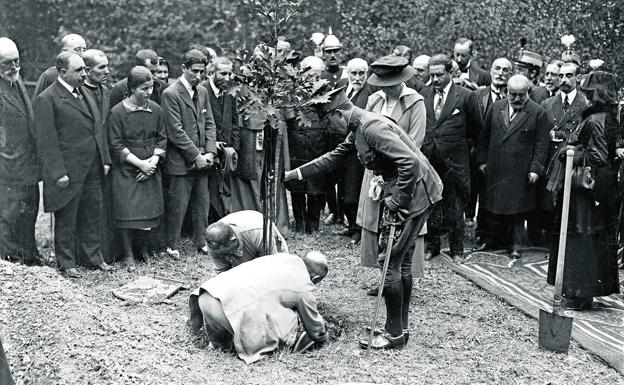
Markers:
(555, 328)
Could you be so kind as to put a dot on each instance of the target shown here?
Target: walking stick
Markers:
(381, 284)
(52, 252)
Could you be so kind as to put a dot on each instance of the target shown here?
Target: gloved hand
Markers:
(376, 188)
(391, 204)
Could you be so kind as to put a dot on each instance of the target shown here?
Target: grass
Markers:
(59, 331)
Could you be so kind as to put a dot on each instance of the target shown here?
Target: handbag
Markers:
(582, 178)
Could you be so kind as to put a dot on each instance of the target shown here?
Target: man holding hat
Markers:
(453, 125)
(530, 64)
(412, 187)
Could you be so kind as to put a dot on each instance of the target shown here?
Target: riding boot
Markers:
(407, 282)
(393, 295)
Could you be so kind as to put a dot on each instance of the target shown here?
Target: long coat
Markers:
(591, 250)
(305, 144)
(410, 115)
(264, 300)
(68, 135)
(452, 135)
(511, 151)
(190, 129)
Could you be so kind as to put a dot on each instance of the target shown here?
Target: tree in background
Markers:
(369, 28)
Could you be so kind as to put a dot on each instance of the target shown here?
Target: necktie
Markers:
(76, 92)
(350, 94)
(439, 105)
(512, 116)
(566, 102)
(195, 97)
(497, 96)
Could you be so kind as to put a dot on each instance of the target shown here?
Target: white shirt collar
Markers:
(570, 96)
(187, 85)
(131, 107)
(215, 89)
(67, 86)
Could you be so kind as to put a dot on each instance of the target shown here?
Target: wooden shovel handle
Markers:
(563, 232)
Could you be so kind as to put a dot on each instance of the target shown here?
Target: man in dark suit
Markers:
(350, 180)
(146, 58)
(462, 53)
(19, 191)
(486, 96)
(75, 158)
(95, 86)
(453, 124)
(564, 111)
(191, 149)
(512, 151)
(225, 116)
(70, 43)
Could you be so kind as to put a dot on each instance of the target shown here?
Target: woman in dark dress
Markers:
(137, 141)
(591, 248)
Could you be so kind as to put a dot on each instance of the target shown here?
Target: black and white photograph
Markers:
(343, 192)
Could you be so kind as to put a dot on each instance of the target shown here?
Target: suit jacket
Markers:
(18, 156)
(46, 78)
(484, 98)
(191, 129)
(452, 135)
(511, 151)
(69, 134)
(225, 116)
(361, 97)
(478, 75)
(387, 150)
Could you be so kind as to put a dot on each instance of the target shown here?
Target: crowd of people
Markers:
(431, 144)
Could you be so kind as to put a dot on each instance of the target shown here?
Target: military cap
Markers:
(528, 58)
(389, 71)
(337, 98)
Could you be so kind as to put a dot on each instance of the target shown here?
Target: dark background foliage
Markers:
(367, 28)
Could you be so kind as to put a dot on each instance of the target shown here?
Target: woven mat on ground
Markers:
(522, 283)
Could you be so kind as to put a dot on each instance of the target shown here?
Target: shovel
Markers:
(555, 328)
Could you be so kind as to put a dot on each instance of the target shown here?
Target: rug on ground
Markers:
(522, 283)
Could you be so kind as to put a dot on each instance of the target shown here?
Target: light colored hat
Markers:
(528, 58)
(390, 71)
(331, 42)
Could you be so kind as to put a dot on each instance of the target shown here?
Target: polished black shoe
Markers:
(384, 341)
(379, 331)
(514, 254)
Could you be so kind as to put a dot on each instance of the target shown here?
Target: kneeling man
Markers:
(237, 238)
(256, 306)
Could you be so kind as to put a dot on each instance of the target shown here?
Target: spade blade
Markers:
(554, 331)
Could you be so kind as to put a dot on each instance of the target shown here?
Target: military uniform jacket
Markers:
(190, 128)
(388, 151)
(69, 133)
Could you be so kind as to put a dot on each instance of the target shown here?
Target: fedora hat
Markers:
(390, 71)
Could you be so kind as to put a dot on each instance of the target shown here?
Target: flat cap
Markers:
(390, 70)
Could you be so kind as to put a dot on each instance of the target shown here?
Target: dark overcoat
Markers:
(69, 133)
(190, 129)
(452, 135)
(511, 151)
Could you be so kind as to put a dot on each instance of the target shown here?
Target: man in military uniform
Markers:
(412, 187)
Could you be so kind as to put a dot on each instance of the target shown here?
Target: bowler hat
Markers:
(390, 71)
(528, 58)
